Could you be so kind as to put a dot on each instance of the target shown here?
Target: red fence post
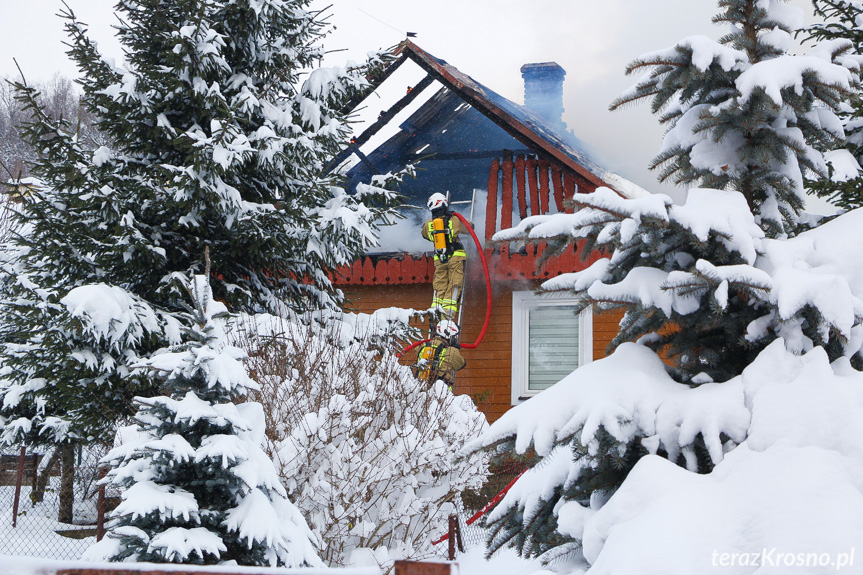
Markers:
(18, 481)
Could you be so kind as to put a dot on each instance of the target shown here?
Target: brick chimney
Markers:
(543, 91)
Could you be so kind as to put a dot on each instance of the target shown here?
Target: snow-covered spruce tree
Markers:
(221, 123)
(197, 485)
(686, 280)
(368, 452)
(62, 362)
(701, 288)
(842, 21)
(744, 114)
(225, 121)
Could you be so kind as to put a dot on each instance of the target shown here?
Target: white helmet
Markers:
(437, 201)
(447, 329)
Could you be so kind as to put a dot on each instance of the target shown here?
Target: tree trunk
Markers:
(67, 482)
(41, 479)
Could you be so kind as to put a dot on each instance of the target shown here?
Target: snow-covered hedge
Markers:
(366, 450)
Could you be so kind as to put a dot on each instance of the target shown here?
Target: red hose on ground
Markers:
(487, 293)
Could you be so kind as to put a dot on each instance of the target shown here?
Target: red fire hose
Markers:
(487, 292)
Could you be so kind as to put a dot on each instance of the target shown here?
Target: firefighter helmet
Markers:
(437, 201)
(447, 329)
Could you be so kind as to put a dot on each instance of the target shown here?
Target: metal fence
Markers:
(466, 529)
(56, 512)
(58, 520)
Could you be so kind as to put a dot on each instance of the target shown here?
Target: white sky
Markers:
(487, 39)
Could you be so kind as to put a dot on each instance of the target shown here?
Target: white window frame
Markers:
(522, 303)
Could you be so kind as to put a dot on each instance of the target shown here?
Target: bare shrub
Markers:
(366, 450)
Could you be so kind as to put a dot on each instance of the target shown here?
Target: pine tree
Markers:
(842, 22)
(197, 485)
(220, 124)
(743, 113)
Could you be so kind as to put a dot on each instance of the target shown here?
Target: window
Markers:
(549, 341)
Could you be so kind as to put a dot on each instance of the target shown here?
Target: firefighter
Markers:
(449, 256)
(440, 358)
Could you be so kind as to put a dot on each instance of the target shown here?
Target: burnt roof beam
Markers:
(382, 121)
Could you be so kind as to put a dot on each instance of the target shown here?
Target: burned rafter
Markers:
(382, 121)
(376, 79)
(476, 154)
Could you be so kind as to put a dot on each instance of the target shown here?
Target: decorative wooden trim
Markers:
(569, 188)
(506, 200)
(491, 201)
(506, 204)
(521, 191)
(543, 185)
(395, 270)
(557, 184)
(534, 187)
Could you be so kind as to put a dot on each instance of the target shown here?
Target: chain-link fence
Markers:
(57, 521)
(475, 506)
(57, 507)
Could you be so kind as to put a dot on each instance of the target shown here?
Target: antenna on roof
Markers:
(384, 23)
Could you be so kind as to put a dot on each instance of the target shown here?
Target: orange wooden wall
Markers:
(486, 378)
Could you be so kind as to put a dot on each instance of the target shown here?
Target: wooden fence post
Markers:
(100, 506)
(18, 480)
(454, 537)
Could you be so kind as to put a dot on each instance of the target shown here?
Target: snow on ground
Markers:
(504, 562)
(12, 565)
(472, 562)
(37, 526)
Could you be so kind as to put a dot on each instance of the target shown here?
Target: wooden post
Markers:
(506, 207)
(491, 201)
(100, 507)
(522, 188)
(557, 185)
(18, 480)
(454, 537)
(533, 185)
(543, 185)
(453, 522)
(569, 190)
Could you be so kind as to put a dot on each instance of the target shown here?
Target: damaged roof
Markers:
(521, 123)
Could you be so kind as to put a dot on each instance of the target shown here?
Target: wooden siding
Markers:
(487, 376)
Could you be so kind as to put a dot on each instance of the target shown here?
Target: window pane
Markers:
(552, 345)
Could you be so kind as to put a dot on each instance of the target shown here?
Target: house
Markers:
(470, 141)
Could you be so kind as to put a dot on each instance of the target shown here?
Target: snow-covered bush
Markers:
(366, 450)
(196, 484)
